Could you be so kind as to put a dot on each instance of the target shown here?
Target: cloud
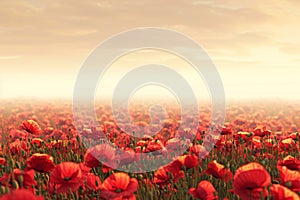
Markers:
(9, 57)
(290, 48)
(231, 28)
(56, 25)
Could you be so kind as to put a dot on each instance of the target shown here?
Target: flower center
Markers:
(67, 178)
(119, 190)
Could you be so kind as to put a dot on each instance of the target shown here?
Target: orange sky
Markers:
(254, 44)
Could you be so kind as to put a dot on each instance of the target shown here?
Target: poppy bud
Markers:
(8, 170)
(12, 163)
(20, 178)
(2, 189)
(15, 184)
(140, 177)
(46, 177)
(288, 184)
(76, 157)
(81, 191)
(23, 152)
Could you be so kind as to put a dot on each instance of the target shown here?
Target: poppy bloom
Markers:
(290, 162)
(21, 194)
(256, 141)
(31, 126)
(287, 144)
(290, 178)
(48, 130)
(204, 191)
(251, 181)
(24, 178)
(119, 186)
(17, 134)
(198, 150)
(55, 144)
(279, 192)
(189, 161)
(93, 182)
(220, 142)
(154, 145)
(40, 162)
(246, 136)
(141, 143)
(18, 147)
(294, 135)
(226, 130)
(2, 161)
(100, 152)
(218, 171)
(37, 142)
(66, 176)
(261, 131)
(84, 168)
(171, 172)
(269, 143)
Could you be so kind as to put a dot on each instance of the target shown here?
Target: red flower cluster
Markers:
(46, 157)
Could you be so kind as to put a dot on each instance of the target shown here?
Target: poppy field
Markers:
(44, 155)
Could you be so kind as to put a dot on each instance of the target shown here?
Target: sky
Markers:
(255, 45)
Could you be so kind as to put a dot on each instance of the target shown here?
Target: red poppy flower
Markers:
(119, 186)
(290, 162)
(269, 143)
(55, 144)
(261, 131)
(279, 192)
(154, 145)
(141, 143)
(218, 171)
(2, 161)
(294, 135)
(103, 152)
(40, 162)
(31, 126)
(48, 130)
(37, 142)
(174, 167)
(66, 176)
(220, 142)
(93, 182)
(204, 191)
(246, 136)
(21, 194)
(226, 130)
(256, 141)
(198, 150)
(18, 147)
(189, 161)
(251, 181)
(287, 144)
(290, 178)
(17, 134)
(25, 178)
(171, 172)
(85, 169)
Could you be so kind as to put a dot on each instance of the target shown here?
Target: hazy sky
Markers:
(254, 44)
